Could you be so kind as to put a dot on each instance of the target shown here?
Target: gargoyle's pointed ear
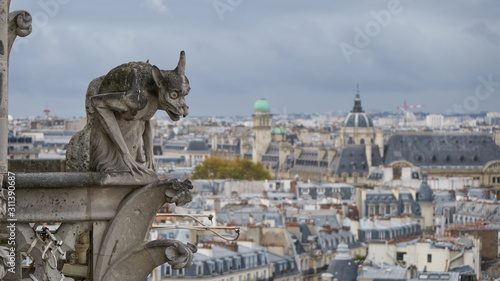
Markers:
(181, 66)
(157, 75)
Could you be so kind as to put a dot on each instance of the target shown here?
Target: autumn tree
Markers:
(216, 168)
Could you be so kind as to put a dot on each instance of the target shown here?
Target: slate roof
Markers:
(345, 270)
(299, 249)
(195, 145)
(378, 197)
(343, 266)
(305, 233)
(241, 217)
(377, 273)
(198, 145)
(224, 261)
(451, 276)
(271, 156)
(352, 158)
(438, 150)
(444, 200)
(344, 191)
(233, 148)
(481, 209)
(283, 265)
(321, 220)
(331, 240)
(462, 269)
(308, 160)
(273, 148)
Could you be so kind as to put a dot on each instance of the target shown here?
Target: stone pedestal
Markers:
(109, 216)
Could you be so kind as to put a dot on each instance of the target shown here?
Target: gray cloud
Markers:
(285, 50)
(480, 29)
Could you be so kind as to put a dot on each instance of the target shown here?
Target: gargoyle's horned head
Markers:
(173, 87)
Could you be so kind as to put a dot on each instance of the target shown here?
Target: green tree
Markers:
(217, 168)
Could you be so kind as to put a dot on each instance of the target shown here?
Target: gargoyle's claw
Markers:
(180, 255)
(178, 192)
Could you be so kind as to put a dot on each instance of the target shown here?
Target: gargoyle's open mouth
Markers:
(174, 116)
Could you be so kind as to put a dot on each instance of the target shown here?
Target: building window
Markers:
(407, 208)
(371, 209)
(396, 173)
(394, 209)
(400, 256)
(382, 209)
(429, 257)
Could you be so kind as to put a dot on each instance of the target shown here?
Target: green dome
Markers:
(262, 105)
(278, 131)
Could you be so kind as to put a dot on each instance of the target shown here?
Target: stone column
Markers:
(4, 80)
(17, 23)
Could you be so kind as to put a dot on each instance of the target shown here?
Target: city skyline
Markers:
(303, 58)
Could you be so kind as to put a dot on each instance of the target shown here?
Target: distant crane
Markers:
(406, 113)
(405, 106)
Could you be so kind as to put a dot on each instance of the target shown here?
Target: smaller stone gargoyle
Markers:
(118, 136)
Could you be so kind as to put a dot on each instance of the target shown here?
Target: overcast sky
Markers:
(303, 56)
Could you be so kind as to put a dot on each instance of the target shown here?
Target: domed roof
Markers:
(357, 117)
(262, 105)
(424, 193)
(343, 266)
(278, 131)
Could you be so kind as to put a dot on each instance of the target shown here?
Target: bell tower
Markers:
(261, 128)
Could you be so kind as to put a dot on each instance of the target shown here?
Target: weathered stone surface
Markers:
(150, 256)
(19, 25)
(119, 106)
(77, 152)
(82, 200)
(139, 207)
(36, 165)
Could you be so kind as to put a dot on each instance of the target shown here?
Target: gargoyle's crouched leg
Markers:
(106, 105)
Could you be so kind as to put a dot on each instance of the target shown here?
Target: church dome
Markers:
(424, 193)
(357, 117)
(278, 131)
(262, 105)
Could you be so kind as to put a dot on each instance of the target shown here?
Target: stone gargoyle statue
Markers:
(118, 136)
